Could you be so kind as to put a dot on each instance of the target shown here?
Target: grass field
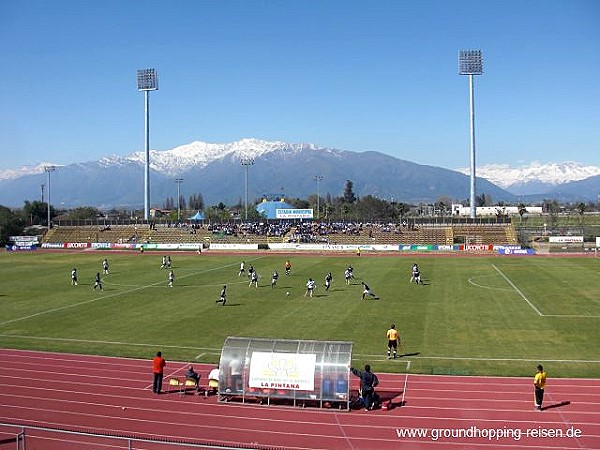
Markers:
(474, 315)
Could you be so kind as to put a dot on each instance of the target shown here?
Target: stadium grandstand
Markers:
(299, 231)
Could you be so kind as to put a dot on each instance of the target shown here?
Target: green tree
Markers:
(10, 224)
(552, 208)
(36, 212)
(522, 211)
(196, 202)
(84, 213)
(371, 208)
(483, 200)
(581, 210)
(349, 196)
(299, 203)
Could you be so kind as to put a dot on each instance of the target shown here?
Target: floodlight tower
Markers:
(178, 181)
(246, 161)
(147, 81)
(318, 179)
(49, 169)
(470, 63)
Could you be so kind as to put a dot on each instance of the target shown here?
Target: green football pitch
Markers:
(473, 315)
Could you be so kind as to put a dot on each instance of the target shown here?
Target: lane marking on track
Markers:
(405, 383)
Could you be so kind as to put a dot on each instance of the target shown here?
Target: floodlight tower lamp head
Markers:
(147, 80)
(470, 62)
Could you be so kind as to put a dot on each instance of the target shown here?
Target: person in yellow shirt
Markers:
(539, 383)
(393, 338)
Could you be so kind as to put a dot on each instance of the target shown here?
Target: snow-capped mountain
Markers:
(201, 154)
(179, 159)
(214, 171)
(24, 170)
(535, 178)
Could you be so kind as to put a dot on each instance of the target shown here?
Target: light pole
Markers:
(318, 179)
(178, 181)
(246, 162)
(49, 169)
(470, 63)
(147, 81)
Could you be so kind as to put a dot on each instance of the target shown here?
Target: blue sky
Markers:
(354, 75)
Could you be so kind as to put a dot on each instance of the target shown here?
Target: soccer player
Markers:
(288, 267)
(105, 266)
(169, 262)
(367, 291)
(74, 277)
(223, 296)
(328, 279)
(97, 281)
(310, 287)
(351, 271)
(250, 271)
(253, 278)
(163, 264)
(171, 278)
(242, 269)
(274, 279)
(416, 274)
(347, 275)
(393, 338)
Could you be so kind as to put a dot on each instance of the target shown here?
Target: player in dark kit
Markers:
(367, 291)
(274, 279)
(223, 297)
(74, 277)
(328, 279)
(97, 281)
(416, 274)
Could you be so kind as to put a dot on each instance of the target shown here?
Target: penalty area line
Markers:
(518, 291)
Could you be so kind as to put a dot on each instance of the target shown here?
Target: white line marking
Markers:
(495, 288)
(133, 344)
(518, 290)
(405, 382)
(576, 316)
(467, 358)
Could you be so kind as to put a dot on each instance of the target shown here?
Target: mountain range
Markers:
(286, 169)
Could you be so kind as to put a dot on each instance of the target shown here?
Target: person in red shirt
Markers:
(158, 365)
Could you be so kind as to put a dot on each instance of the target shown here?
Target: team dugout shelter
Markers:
(285, 372)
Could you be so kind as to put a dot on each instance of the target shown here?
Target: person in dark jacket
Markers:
(368, 381)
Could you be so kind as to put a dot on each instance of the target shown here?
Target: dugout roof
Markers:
(304, 371)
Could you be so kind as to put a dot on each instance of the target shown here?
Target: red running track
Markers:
(88, 393)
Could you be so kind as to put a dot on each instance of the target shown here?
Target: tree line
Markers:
(347, 207)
